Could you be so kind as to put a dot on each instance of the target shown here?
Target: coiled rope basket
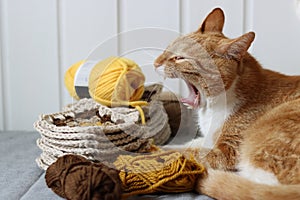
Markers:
(101, 133)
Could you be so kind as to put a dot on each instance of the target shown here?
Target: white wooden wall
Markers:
(40, 39)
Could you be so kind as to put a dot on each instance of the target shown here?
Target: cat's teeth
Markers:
(188, 106)
(197, 99)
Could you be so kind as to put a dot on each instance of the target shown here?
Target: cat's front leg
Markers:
(222, 156)
(225, 154)
(192, 148)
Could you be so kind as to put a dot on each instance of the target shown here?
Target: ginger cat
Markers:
(257, 153)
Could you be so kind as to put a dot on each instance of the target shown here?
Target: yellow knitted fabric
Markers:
(163, 171)
(115, 81)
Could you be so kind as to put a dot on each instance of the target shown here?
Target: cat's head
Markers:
(205, 59)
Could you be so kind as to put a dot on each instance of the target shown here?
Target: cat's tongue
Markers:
(193, 99)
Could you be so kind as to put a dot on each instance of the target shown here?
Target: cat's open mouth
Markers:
(194, 97)
(193, 100)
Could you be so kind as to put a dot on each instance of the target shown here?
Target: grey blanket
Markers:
(20, 178)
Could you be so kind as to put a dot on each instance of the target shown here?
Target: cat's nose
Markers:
(159, 61)
(157, 64)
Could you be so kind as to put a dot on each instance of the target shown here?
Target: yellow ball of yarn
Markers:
(117, 81)
(114, 81)
(69, 78)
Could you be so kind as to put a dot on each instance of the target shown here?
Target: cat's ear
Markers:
(214, 22)
(238, 47)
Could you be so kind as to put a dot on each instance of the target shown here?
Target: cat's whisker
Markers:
(174, 75)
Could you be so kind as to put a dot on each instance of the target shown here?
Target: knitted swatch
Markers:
(75, 178)
(162, 171)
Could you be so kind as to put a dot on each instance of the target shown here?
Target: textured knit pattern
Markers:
(162, 171)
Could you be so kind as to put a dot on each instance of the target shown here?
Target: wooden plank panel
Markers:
(147, 27)
(1, 87)
(2, 56)
(1, 70)
(31, 63)
(277, 35)
(83, 26)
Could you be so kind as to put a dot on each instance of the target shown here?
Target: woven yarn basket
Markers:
(100, 133)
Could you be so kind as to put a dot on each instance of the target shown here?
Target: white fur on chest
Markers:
(214, 113)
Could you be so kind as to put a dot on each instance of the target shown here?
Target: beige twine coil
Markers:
(98, 132)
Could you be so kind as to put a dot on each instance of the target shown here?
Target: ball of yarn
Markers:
(116, 81)
(75, 178)
(112, 82)
(162, 171)
(69, 79)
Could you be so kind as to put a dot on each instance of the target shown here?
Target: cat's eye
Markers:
(178, 58)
